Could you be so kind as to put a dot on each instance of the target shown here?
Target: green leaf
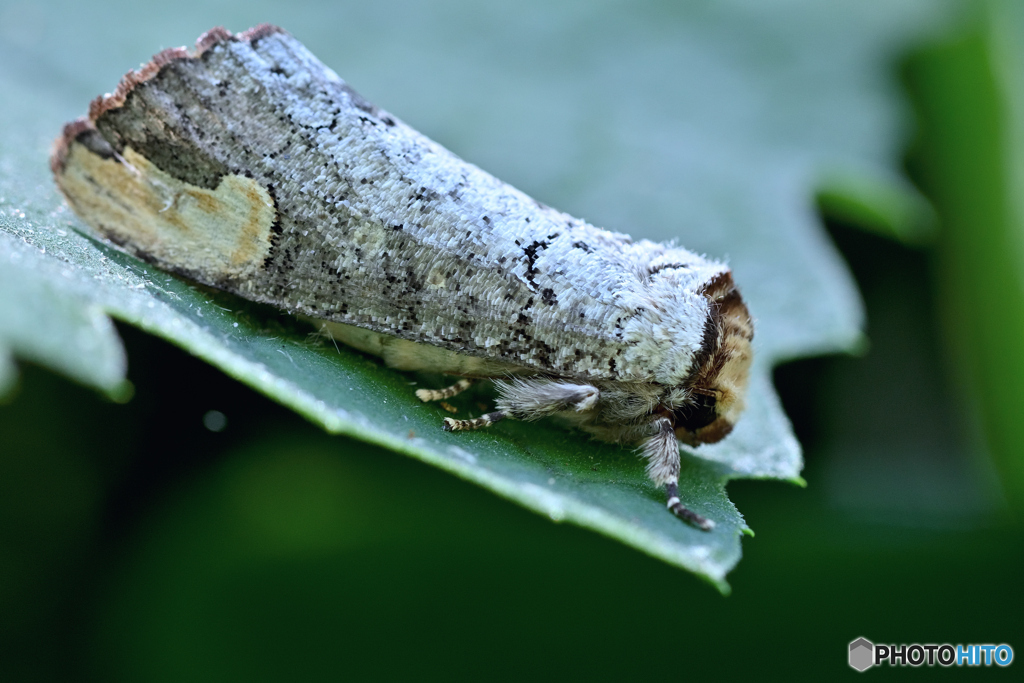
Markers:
(970, 93)
(712, 123)
(46, 319)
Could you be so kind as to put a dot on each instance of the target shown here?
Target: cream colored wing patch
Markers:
(221, 233)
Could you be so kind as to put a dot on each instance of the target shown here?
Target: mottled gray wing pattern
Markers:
(377, 226)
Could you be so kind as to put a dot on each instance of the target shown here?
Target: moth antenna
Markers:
(662, 453)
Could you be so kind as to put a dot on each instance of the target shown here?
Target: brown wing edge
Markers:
(104, 103)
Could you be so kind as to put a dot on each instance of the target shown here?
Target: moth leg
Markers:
(427, 395)
(699, 521)
(453, 425)
(662, 453)
(530, 399)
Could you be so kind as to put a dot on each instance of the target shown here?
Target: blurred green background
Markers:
(137, 544)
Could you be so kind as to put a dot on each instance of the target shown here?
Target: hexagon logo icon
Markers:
(862, 654)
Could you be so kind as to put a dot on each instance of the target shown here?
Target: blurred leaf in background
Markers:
(970, 158)
(138, 544)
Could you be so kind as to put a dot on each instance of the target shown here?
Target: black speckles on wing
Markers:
(382, 228)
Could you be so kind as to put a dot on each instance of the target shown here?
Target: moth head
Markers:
(718, 386)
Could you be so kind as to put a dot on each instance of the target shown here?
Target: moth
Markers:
(247, 165)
